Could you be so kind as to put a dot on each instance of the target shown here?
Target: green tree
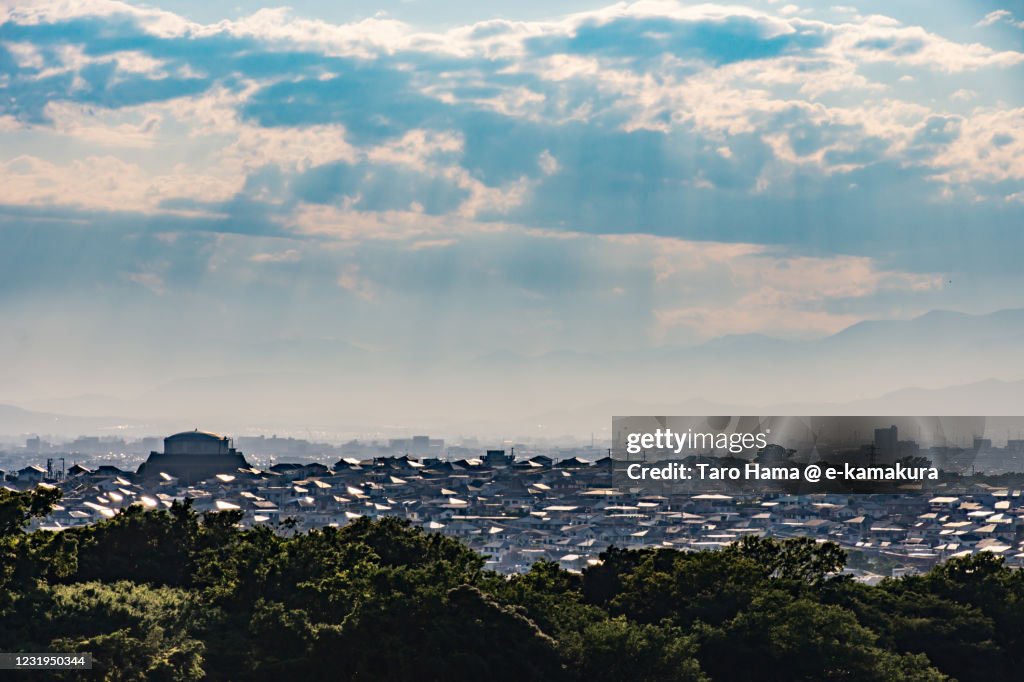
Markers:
(619, 649)
(133, 631)
(780, 638)
(18, 508)
(24, 556)
(143, 546)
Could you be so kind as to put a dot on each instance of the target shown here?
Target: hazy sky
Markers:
(188, 187)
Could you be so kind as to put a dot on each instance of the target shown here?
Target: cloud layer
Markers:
(640, 174)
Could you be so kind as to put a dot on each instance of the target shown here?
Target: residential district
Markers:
(518, 510)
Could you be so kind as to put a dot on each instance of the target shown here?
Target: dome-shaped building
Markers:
(191, 456)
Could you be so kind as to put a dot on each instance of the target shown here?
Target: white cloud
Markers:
(365, 38)
(103, 183)
(287, 256)
(289, 148)
(150, 280)
(990, 147)
(34, 12)
(351, 280)
(345, 223)
(416, 149)
(999, 16)
(126, 153)
(25, 55)
(548, 163)
(882, 41)
(766, 291)
(104, 128)
(485, 198)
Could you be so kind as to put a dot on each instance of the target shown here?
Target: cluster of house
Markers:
(519, 511)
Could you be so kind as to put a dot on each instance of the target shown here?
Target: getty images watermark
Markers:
(809, 454)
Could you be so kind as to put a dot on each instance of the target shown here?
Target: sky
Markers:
(374, 192)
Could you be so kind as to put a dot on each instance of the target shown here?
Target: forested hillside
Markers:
(173, 595)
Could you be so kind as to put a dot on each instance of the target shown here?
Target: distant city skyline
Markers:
(420, 215)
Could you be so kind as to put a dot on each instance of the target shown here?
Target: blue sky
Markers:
(426, 181)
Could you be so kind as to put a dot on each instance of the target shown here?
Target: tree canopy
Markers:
(177, 595)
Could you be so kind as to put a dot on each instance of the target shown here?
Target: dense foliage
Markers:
(173, 595)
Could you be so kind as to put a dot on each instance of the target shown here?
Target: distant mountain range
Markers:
(17, 421)
(938, 363)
